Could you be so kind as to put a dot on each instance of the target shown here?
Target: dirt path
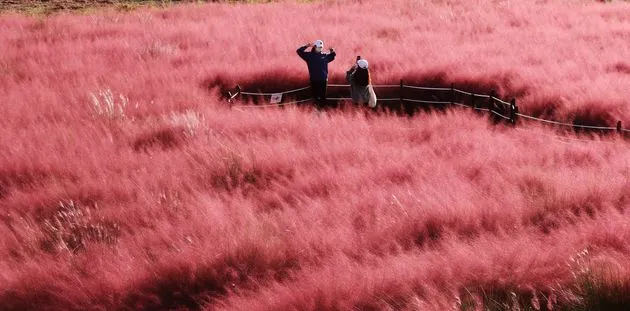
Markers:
(36, 7)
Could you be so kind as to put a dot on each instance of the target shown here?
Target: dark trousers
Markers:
(319, 92)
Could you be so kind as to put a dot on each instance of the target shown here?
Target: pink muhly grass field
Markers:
(126, 183)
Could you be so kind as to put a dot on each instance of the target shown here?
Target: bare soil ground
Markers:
(36, 7)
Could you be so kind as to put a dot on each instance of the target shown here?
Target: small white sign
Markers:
(276, 98)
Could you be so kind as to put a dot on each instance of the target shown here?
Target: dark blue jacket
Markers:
(317, 63)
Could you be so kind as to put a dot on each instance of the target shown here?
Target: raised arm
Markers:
(331, 56)
(301, 51)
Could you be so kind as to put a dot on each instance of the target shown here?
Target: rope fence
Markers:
(479, 102)
(500, 115)
(385, 86)
(502, 102)
(426, 88)
(433, 102)
(601, 128)
(270, 94)
(277, 105)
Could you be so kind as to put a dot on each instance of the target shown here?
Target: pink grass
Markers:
(171, 200)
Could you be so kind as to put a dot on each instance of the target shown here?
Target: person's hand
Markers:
(332, 50)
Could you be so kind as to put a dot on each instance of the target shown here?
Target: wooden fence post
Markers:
(472, 101)
(452, 93)
(619, 128)
(402, 107)
(237, 92)
(229, 99)
(513, 111)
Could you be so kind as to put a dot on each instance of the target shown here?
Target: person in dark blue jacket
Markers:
(317, 68)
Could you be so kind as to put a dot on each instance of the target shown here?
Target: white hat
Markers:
(362, 63)
(319, 44)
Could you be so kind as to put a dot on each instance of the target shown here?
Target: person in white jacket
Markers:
(358, 76)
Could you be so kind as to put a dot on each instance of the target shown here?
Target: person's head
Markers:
(318, 46)
(362, 63)
(362, 74)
